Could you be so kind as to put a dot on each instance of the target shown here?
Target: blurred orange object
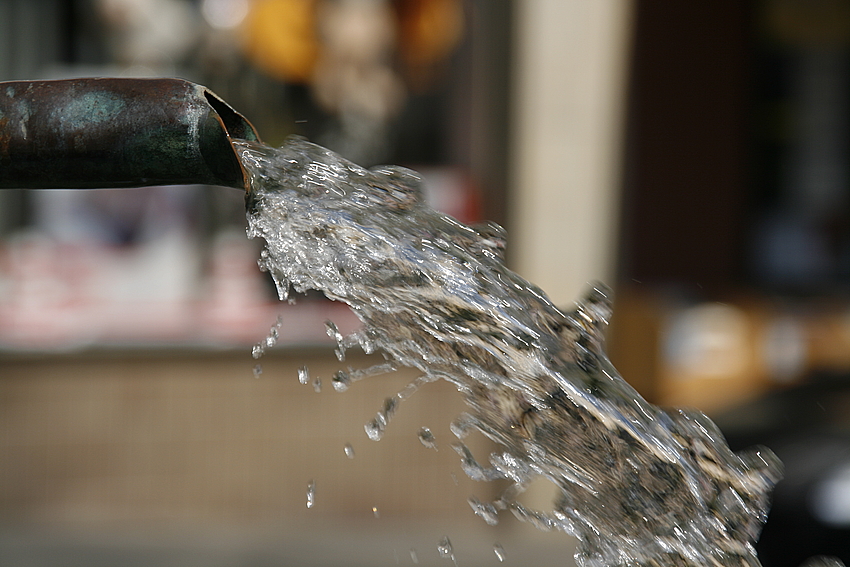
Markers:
(279, 36)
(429, 30)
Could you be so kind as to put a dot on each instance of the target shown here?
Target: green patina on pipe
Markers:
(94, 133)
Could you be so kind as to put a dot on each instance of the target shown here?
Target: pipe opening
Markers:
(234, 123)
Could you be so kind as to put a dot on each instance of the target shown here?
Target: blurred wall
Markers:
(570, 74)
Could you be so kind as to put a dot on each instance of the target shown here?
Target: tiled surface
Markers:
(315, 545)
(195, 435)
(188, 459)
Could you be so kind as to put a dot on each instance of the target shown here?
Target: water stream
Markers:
(637, 485)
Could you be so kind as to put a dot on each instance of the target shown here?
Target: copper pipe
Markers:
(98, 133)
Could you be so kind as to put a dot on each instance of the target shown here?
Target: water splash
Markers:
(637, 485)
(500, 552)
(303, 375)
(485, 510)
(444, 548)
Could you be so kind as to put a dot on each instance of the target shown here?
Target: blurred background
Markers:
(692, 155)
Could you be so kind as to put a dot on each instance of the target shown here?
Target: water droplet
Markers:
(445, 549)
(317, 385)
(375, 429)
(427, 438)
(349, 451)
(259, 349)
(341, 381)
(499, 551)
(413, 556)
(303, 375)
(311, 494)
(454, 477)
(258, 370)
(375, 512)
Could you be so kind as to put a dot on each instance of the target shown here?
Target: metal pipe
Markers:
(99, 133)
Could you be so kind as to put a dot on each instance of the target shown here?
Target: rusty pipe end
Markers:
(234, 126)
(91, 133)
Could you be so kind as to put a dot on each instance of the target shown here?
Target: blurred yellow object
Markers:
(279, 37)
